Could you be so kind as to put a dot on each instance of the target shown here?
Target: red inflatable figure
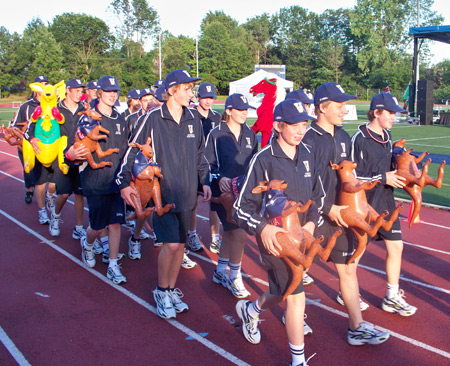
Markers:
(273, 94)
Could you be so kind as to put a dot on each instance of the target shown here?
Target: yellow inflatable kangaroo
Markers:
(47, 118)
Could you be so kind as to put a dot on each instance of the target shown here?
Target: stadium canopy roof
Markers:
(439, 33)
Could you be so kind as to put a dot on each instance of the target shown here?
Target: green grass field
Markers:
(434, 139)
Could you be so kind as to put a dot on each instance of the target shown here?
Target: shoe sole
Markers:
(116, 282)
(134, 257)
(239, 310)
(400, 312)
(188, 266)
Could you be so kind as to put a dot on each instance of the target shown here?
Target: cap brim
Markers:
(398, 109)
(185, 81)
(343, 98)
(302, 117)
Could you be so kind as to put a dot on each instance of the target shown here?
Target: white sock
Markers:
(235, 270)
(105, 242)
(192, 233)
(77, 227)
(298, 354)
(215, 237)
(392, 291)
(112, 262)
(222, 264)
(254, 310)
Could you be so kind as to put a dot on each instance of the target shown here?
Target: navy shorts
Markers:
(344, 247)
(172, 227)
(43, 174)
(394, 234)
(67, 183)
(278, 273)
(105, 210)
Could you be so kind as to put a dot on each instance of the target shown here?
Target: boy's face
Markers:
(135, 104)
(334, 113)
(74, 94)
(292, 134)
(109, 98)
(145, 102)
(206, 103)
(91, 93)
(385, 118)
(183, 94)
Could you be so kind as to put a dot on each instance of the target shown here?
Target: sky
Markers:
(187, 17)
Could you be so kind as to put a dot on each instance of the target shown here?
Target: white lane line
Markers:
(430, 138)
(12, 349)
(426, 248)
(189, 332)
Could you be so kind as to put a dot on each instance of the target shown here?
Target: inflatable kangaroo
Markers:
(296, 241)
(359, 214)
(14, 135)
(47, 118)
(145, 174)
(406, 165)
(88, 134)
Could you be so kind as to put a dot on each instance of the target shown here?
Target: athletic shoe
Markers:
(214, 246)
(249, 324)
(115, 275)
(98, 247)
(366, 334)
(363, 305)
(50, 201)
(307, 279)
(77, 234)
(54, 224)
(29, 197)
(129, 224)
(237, 288)
(178, 305)
(221, 278)
(164, 306)
(43, 217)
(157, 244)
(87, 255)
(187, 262)
(307, 330)
(105, 256)
(134, 249)
(145, 235)
(398, 305)
(194, 243)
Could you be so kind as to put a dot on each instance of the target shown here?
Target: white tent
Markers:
(243, 86)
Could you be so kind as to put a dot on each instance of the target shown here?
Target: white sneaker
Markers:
(249, 324)
(87, 255)
(134, 248)
(115, 275)
(214, 247)
(54, 224)
(398, 305)
(307, 279)
(237, 288)
(363, 305)
(43, 217)
(221, 278)
(145, 235)
(105, 256)
(307, 330)
(366, 334)
(98, 247)
(179, 305)
(50, 201)
(157, 244)
(187, 262)
(164, 306)
(77, 234)
(194, 243)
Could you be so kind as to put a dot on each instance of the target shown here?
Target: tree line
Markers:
(364, 47)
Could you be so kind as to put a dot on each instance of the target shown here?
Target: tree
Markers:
(83, 38)
(259, 29)
(137, 19)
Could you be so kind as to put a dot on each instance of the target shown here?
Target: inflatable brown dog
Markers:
(406, 165)
(296, 241)
(88, 135)
(145, 174)
(359, 214)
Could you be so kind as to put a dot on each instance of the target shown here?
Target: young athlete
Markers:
(229, 149)
(210, 119)
(372, 151)
(132, 102)
(331, 143)
(91, 91)
(172, 125)
(69, 183)
(285, 158)
(106, 208)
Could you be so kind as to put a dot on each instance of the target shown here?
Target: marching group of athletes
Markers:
(199, 150)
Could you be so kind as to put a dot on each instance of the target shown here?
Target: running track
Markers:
(56, 311)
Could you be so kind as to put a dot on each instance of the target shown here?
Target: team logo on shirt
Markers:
(118, 132)
(191, 133)
(249, 143)
(343, 153)
(306, 164)
(213, 124)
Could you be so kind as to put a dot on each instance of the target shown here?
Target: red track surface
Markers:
(57, 312)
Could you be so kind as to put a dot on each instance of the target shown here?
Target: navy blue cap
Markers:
(299, 95)
(331, 91)
(40, 79)
(159, 83)
(146, 91)
(92, 85)
(291, 111)
(134, 94)
(386, 101)
(237, 101)
(159, 94)
(207, 90)
(108, 83)
(74, 83)
(179, 76)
